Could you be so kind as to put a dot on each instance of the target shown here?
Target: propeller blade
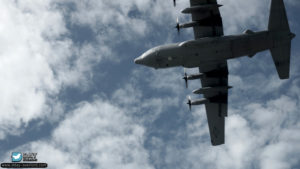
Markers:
(185, 78)
(174, 2)
(189, 102)
(177, 26)
(186, 83)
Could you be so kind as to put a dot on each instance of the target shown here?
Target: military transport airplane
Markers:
(210, 51)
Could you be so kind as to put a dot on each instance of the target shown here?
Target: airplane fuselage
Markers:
(195, 53)
(211, 50)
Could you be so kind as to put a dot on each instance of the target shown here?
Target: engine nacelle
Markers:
(199, 101)
(201, 8)
(211, 89)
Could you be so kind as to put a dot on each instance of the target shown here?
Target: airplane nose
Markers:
(138, 60)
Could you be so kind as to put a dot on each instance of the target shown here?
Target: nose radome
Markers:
(138, 60)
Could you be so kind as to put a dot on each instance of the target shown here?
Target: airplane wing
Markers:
(216, 80)
(208, 23)
(206, 18)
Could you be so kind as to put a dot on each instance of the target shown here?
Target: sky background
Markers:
(70, 91)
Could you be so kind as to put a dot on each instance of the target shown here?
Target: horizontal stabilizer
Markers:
(278, 19)
(279, 26)
(281, 58)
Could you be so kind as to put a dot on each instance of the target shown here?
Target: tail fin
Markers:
(282, 36)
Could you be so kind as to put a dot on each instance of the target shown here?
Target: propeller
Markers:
(189, 102)
(185, 78)
(174, 2)
(177, 26)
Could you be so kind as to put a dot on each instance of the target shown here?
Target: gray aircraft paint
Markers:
(195, 53)
(210, 51)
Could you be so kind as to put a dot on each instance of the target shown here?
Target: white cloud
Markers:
(260, 135)
(117, 21)
(132, 97)
(96, 133)
(26, 75)
(167, 80)
(36, 61)
(283, 153)
(239, 15)
(111, 139)
(114, 137)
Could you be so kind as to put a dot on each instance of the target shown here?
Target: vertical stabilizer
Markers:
(279, 27)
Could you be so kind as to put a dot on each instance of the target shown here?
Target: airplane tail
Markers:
(282, 36)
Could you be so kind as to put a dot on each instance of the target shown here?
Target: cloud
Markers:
(125, 128)
(239, 15)
(37, 60)
(96, 133)
(157, 98)
(295, 3)
(26, 75)
(115, 22)
(257, 136)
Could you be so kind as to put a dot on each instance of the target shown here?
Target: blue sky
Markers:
(71, 92)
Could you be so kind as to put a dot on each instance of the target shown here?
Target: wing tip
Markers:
(218, 141)
(214, 143)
